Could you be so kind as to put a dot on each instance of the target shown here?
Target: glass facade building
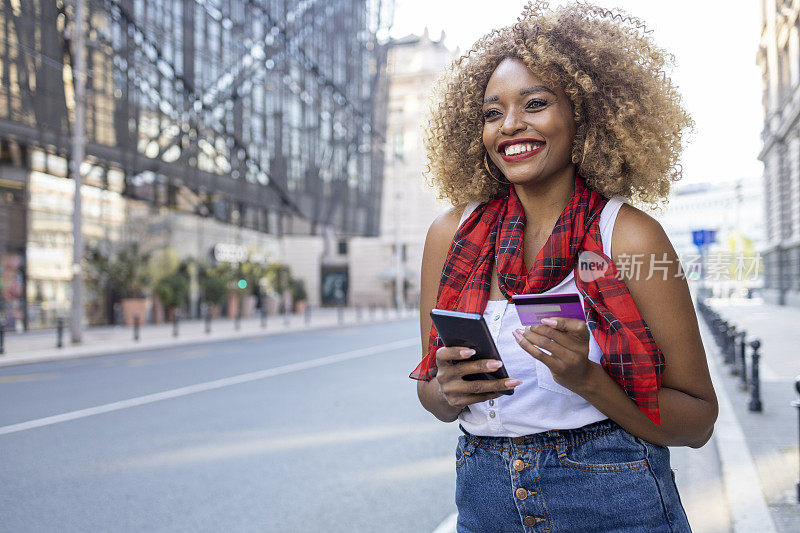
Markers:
(264, 114)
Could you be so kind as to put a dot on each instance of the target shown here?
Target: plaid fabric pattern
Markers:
(493, 234)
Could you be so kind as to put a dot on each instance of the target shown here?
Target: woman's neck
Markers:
(544, 201)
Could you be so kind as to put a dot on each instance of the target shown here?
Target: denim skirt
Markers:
(596, 478)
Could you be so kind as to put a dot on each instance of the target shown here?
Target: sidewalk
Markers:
(771, 436)
(40, 346)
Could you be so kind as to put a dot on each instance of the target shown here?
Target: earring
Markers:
(486, 166)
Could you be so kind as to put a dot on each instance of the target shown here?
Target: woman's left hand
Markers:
(567, 339)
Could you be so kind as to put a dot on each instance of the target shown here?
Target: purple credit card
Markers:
(532, 308)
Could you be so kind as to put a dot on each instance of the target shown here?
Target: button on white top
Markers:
(496, 318)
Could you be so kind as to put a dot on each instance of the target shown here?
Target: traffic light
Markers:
(242, 284)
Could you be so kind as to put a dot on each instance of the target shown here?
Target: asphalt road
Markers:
(315, 431)
(337, 444)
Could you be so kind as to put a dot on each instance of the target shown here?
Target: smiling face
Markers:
(528, 126)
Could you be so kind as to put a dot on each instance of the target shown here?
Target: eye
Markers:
(536, 103)
(490, 114)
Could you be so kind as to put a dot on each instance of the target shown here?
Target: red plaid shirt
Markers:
(494, 233)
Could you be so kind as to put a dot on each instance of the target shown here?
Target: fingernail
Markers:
(519, 331)
(467, 353)
(513, 382)
(549, 322)
(494, 365)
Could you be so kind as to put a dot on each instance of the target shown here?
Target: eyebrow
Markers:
(536, 89)
(526, 90)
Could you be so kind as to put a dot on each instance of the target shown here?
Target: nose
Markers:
(512, 123)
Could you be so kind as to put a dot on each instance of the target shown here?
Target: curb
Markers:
(748, 507)
(81, 352)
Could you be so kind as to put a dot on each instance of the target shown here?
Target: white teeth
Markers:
(515, 149)
(518, 148)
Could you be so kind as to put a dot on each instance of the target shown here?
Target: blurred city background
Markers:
(212, 215)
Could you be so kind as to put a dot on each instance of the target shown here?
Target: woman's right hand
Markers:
(452, 365)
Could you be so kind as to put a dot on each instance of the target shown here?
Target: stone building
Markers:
(382, 266)
(779, 59)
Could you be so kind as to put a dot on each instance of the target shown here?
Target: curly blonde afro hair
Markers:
(630, 123)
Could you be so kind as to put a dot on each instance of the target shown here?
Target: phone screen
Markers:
(470, 330)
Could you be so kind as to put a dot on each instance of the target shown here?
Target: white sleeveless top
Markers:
(539, 403)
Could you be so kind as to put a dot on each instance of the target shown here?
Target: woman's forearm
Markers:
(430, 396)
(685, 420)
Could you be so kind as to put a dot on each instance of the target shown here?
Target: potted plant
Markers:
(278, 276)
(299, 296)
(214, 287)
(98, 290)
(127, 271)
(171, 290)
(162, 263)
(253, 273)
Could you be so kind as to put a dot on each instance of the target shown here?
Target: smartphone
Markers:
(470, 330)
(532, 308)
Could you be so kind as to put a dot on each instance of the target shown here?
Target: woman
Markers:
(538, 136)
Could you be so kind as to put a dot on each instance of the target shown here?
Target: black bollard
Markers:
(60, 332)
(207, 319)
(796, 404)
(308, 314)
(730, 346)
(358, 313)
(741, 360)
(263, 317)
(722, 330)
(136, 328)
(340, 314)
(175, 317)
(755, 385)
(2, 336)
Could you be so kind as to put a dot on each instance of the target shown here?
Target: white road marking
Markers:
(448, 525)
(208, 385)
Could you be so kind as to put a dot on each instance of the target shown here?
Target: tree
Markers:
(162, 263)
(215, 282)
(214, 288)
(278, 275)
(172, 289)
(128, 271)
(298, 289)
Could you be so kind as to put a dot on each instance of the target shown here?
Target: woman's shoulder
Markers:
(444, 227)
(636, 232)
